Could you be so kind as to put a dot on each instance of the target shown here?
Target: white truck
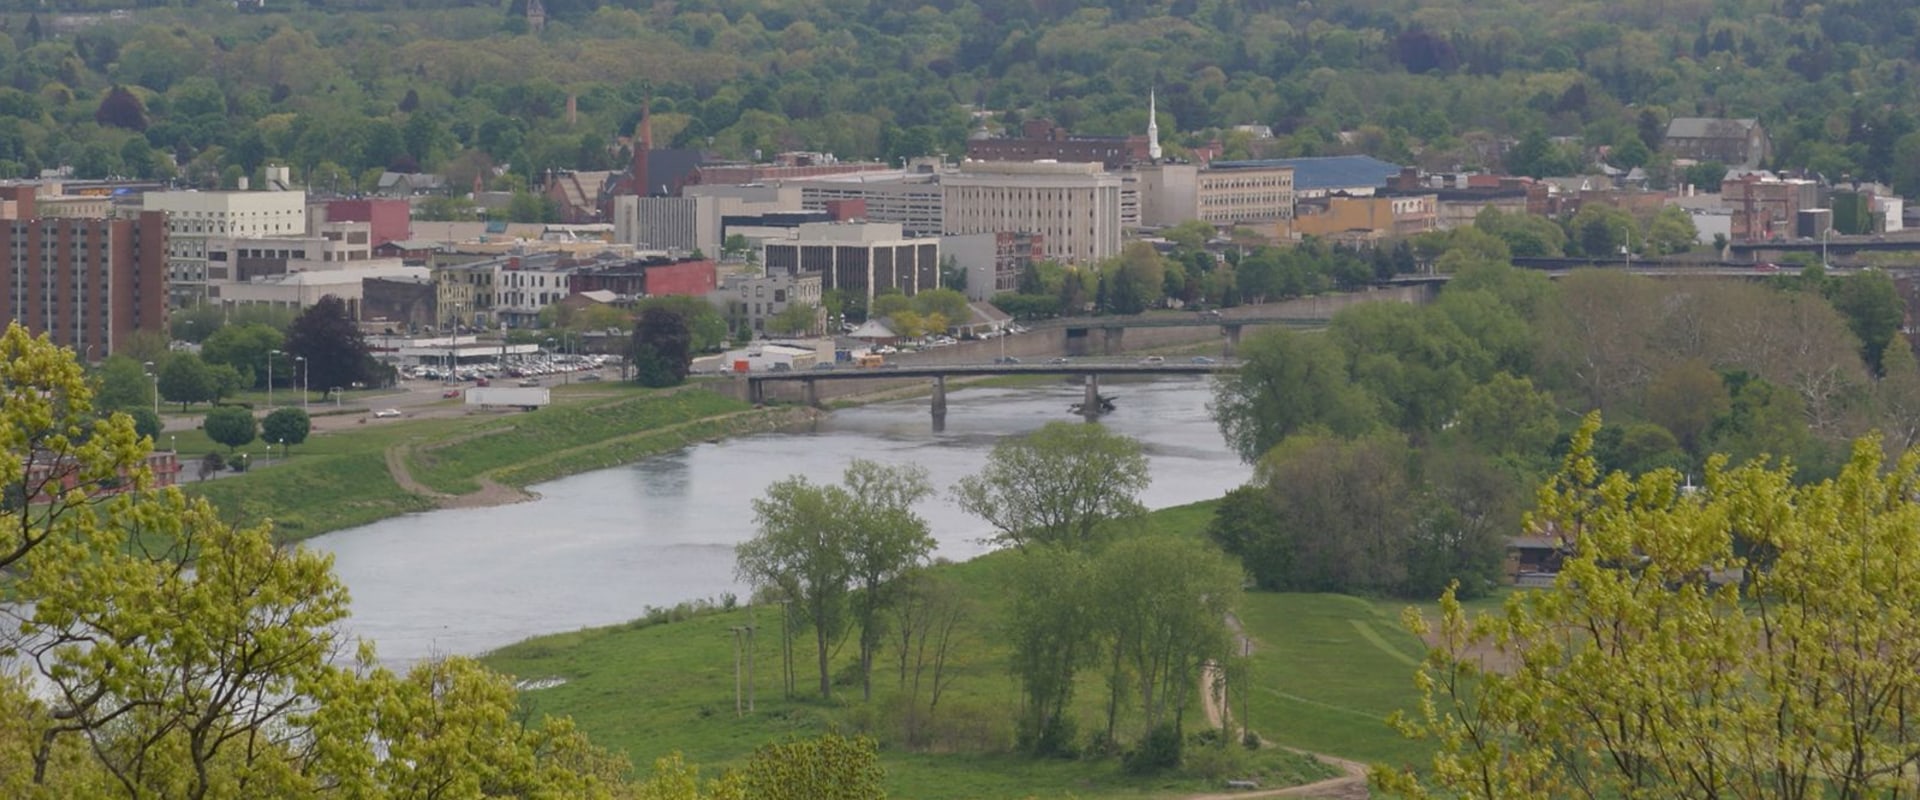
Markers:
(526, 399)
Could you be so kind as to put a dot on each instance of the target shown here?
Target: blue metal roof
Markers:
(1326, 172)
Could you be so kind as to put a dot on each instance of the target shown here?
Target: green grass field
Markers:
(1328, 670)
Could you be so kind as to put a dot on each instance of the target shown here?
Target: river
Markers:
(599, 547)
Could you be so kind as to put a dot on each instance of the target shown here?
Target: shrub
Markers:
(1158, 752)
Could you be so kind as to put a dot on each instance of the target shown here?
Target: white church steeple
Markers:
(1153, 128)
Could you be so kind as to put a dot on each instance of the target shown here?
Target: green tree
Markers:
(706, 323)
(186, 379)
(231, 426)
(1162, 603)
(1686, 399)
(1671, 231)
(1750, 635)
(826, 767)
(146, 424)
(886, 540)
(1288, 382)
(801, 551)
(1507, 416)
(246, 348)
(1049, 625)
(1057, 486)
(662, 350)
(335, 350)
(1873, 310)
(796, 318)
(1342, 508)
(286, 426)
(121, 382)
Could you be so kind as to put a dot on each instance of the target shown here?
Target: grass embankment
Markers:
(340, 479)
(649, 688)
(519, 442)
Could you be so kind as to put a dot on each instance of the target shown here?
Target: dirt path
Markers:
(1350, 784)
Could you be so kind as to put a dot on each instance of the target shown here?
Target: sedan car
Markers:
(387, 412)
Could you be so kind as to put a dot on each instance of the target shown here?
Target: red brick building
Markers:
(1041, 140)
(391, 218)
(652, 277)
(86, 283)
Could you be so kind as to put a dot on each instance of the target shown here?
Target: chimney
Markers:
(642, 145)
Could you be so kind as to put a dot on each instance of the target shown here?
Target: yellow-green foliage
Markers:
(1752, 638)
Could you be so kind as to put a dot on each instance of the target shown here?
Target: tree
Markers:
(818, 542)
(120, 108)
(246, 348)
(707, 324)
(796, 318)
(336, 352)
(662, 349)
(1507, 416)
(1341, 514)
(1873, 311)
(1162, 603)
(1049, 624)
(1057, 486)
(1686, 398)
(826, 767)
(146, 424)
(1288, 382)
(1746, 639)
(286, 426)
(231, 426)
(801, 551)
(121, 382)
(186, 379)
(887, 540)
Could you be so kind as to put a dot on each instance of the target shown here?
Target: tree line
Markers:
(204, 94)
(1394, 449)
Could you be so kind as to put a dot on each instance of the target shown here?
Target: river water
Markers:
(598, 548)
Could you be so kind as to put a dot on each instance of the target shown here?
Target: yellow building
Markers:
(1362, 218)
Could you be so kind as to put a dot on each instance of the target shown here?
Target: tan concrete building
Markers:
(1076, 209)
(1363, 218)
(1243, 193)
(197, 219)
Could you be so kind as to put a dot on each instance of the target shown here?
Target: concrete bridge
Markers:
(1090, 372)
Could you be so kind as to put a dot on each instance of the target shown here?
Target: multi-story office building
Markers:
(1074, 208)
(864, 257)
(696, 219)
(1222, 196)
(993, 261)
(86, 283)
(197, 219)
(911, 199)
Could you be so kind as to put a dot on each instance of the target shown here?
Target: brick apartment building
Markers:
(86, 283)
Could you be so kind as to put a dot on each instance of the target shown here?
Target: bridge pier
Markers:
(1115, 341)
(812, 389)
(1090, 401)
(756, 391)
(1233, 339)
(939, 401)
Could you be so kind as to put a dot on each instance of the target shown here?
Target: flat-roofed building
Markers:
(195, 220)
(863, 257)
(86, 283)
(1076, 209)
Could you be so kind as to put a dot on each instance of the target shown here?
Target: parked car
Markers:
(451, 393)
(387, 412)
(824, 365)
(590, 377)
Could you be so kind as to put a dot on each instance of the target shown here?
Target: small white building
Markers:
(766, 357)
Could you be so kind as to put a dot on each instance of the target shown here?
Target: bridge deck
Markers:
(948, 370)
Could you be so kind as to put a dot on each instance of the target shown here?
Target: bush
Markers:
(1159, 752)
(1216, 763)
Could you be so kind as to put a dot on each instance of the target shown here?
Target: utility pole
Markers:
(750, 629)
(737, 631)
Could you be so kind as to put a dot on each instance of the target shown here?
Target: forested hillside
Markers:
(343, 90)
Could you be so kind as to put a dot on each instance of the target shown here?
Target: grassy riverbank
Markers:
(666, 682)
(342, 479)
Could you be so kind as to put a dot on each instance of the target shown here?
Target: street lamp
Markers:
(155, 375)
(270, 355)
(303, 381)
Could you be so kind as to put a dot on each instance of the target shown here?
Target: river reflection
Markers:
(599, 547)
